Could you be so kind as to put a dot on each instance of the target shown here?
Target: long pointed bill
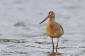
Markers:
(44, 19)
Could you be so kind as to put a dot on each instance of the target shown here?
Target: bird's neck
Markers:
(51, 20)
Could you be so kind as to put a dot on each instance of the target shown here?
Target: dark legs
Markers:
(53, 44)
(57, 45)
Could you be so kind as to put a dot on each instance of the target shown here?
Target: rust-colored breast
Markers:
(54, 30)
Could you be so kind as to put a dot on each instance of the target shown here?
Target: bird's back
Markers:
(54, 30)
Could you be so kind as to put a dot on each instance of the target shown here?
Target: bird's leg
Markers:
(53, 45)
(57, 45)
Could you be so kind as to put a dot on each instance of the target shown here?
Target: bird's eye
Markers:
(49, 13)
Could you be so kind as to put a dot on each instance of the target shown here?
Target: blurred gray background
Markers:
(22, 35)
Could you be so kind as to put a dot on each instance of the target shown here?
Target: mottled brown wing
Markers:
(60, 27)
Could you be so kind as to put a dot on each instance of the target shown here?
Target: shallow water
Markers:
(22, 35)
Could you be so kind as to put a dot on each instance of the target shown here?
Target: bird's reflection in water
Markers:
(54, 54)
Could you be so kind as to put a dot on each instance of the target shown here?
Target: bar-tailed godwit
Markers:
(53, 29)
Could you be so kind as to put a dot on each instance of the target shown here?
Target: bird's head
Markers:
(51, 14)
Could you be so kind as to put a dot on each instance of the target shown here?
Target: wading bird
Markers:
(53, 29)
